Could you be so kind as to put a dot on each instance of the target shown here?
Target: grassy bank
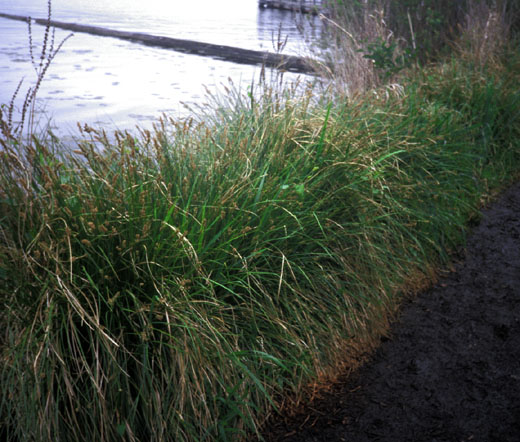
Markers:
(178, 285)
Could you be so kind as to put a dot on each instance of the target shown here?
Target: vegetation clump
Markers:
(181, 284)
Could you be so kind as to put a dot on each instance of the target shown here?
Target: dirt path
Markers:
(451, 370)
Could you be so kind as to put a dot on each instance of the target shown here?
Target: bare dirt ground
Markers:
(451, 368)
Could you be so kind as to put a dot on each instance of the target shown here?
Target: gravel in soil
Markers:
(451, 369)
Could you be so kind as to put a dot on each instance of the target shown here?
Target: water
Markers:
(112, 83)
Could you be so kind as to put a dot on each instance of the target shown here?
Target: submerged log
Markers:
(228, 53)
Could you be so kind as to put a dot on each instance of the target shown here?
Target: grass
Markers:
(182, 284)
(369, 43)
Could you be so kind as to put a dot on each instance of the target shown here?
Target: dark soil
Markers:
(451, 369)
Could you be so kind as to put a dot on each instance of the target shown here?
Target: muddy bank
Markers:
(228, 53)
(451, 368)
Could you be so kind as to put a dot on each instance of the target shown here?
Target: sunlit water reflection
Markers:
(113, 83)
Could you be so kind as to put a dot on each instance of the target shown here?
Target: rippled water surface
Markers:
(110, 82)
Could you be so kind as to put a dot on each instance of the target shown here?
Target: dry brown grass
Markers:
(346, 70)
(485, 32)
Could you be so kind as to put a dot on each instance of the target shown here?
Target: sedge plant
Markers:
(182, 283)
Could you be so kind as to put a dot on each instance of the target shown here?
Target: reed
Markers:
(27, 125)
(183, 283)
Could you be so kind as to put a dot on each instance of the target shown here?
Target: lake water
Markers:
(113, 83)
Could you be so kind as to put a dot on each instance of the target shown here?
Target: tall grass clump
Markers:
(183, 283)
